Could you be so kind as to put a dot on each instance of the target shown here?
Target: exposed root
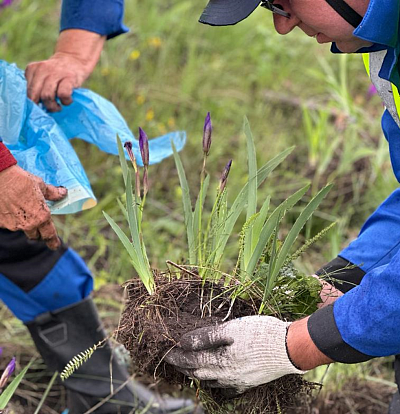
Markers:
(152, 325)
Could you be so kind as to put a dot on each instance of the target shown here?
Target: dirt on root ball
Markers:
(151, 325)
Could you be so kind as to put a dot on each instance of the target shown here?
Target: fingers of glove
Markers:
(206, 338)
(194, 360)
(181, 359)
(227, 390)
(48, 233)
(32, 234)
(205, 374)
(50, 192)
(65, 89)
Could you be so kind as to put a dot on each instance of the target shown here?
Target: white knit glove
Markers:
(238, 354)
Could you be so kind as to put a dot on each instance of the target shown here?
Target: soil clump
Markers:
(151, 325)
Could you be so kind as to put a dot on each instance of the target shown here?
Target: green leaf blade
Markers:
(187, 206)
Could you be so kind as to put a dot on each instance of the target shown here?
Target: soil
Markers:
(357, 396)
(151, 325)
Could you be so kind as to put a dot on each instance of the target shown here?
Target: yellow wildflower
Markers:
(140, 99)
(155, 42)
(135, 54)
(105, 71)
(149, 115)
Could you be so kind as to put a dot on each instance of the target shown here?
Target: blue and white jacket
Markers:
(364, 323)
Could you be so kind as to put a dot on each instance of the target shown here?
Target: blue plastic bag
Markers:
(39, 140)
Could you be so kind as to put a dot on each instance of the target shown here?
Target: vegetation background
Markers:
(164, 75)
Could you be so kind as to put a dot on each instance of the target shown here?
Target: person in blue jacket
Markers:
(362, 323)
(43, 281)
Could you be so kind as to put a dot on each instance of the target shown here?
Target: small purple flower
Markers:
(371, 91)
(7, 373)
(5, 3)
(128, 146)
(1, 351)
(144, 146)
(207, 131)
(224, 176)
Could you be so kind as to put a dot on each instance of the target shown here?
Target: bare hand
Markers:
(55, 77)
(23, 206)
(76, 55)
(328, 293)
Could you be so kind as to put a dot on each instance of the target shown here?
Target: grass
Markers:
(168, 72)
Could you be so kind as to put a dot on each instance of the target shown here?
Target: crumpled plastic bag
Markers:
(39, 140)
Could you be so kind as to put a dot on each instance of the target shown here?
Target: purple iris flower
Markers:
(224, 176)
(207, 134)
(144, 146)
(128, 146)
(7, 373)
(5, 3)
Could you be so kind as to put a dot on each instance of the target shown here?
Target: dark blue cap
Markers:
(227, 12)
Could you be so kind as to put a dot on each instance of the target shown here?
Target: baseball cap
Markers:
(228, 12)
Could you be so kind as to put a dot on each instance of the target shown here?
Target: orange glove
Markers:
(23, 205)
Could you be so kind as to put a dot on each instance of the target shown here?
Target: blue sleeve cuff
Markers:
(327, 338)
(367, 316)
(104, 17)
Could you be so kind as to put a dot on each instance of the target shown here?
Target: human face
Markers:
(317, 19)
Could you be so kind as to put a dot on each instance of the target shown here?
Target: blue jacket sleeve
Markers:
(379, 239)
(364, 322)
(104, 17)
(368, 316)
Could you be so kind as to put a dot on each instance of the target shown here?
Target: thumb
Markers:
(52, 193)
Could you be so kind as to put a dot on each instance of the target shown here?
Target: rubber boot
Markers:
(62, 334)
(394, 407)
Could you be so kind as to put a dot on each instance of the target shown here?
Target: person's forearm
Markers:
(301, 349)
(83, 45)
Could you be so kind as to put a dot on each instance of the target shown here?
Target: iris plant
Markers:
(133, 210)
(208, 234)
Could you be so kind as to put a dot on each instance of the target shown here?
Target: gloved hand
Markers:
(23, 205)
(76, 55)
(238, 354)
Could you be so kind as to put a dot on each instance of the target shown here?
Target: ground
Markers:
(354, 396)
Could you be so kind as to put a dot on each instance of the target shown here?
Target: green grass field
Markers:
(167, 72)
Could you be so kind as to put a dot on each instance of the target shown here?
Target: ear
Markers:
(284, 25)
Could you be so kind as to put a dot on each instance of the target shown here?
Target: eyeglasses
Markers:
(268, 4)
